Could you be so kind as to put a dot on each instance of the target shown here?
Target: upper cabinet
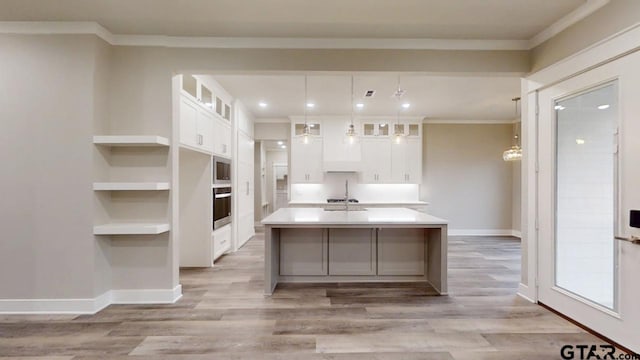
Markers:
(204, 119)
(375, 128)
(406, 161)
(376, 161)
(306, 161)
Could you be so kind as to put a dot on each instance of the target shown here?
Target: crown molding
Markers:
(564, 22)
(91, 27)
(88, 27)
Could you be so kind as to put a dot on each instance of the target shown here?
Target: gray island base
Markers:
(313, 245)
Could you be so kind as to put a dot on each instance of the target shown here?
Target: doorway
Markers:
(587, 173)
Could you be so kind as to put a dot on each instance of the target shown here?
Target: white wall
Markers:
(465, 179)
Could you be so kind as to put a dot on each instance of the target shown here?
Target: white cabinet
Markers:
(196, 125)
(406, 161)
(306, 161)
(376, 161)
(222, 138)
(244, 189)
(221, 239)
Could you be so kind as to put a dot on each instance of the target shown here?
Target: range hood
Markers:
(342, 166)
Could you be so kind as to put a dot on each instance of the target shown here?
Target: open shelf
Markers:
(131, 229)
(130, 140)
(130, 186)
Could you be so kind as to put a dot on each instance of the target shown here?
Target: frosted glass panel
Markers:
(585, 189)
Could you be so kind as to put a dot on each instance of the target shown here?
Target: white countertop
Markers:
(370, 216)
(360, 203)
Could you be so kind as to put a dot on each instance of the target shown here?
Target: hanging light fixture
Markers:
(306, 130)
(515, 152)
(396, 129)
(351, 130)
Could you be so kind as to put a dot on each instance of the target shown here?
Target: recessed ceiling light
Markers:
(312, 125)
(359, 105)
(605, 106)
(406, 105)
(559, 107)
(280, 142)
(283, 146)
(311, 105)
(580, 141)
(262, 104)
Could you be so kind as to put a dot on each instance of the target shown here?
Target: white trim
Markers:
(467, 121)
(208, 42)
(90, 27)
(272, 121)
(523, 292)
(146, 296)
(483, 232)
(598, 53)
(90, 305)
(516, 233)
(566, 21)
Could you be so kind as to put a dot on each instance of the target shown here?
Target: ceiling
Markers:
(434, 97)
(417, 19)
(273, 145)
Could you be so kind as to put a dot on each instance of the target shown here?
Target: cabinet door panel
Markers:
(306, 161)
(205, 129)
(398, 162)
(188, 122)
(352, 252)
(413, 167)
(401, 252)
(303, 252)
(376, 158)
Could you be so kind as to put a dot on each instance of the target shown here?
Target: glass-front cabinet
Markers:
(375, 128)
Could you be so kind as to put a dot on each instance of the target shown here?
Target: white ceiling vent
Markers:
(369, 93)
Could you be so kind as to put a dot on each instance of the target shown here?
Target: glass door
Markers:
(585, 158)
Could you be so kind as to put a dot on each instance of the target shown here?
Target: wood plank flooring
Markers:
(224, 315)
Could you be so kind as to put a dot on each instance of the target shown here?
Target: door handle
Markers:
(633, 239)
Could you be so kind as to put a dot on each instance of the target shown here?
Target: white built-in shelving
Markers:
(130, 140)
(120, 220)
(130, 186)
(131, 229)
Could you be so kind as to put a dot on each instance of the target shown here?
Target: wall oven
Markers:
(221, 206)
(221, 171)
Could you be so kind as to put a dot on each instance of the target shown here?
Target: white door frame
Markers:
(621, 46)
(600, 53)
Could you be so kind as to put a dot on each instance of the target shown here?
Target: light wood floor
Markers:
(223, 315)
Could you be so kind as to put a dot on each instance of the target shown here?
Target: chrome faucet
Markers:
(346, 195)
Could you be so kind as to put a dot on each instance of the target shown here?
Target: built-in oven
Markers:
(221, 206)
(221, 171)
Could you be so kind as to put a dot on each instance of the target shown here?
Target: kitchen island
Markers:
(371, 245)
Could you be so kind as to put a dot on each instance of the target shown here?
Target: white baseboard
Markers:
(524, 292)
(484, 232)
(146, 296)
(90, 305)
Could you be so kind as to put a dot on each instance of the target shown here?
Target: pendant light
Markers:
(351, 130)
(396, 129)
(306, 131)
(515, 152)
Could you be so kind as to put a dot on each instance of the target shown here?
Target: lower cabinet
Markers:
(352, 252)
(303, 252)
(221, 239)
(401, 252)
